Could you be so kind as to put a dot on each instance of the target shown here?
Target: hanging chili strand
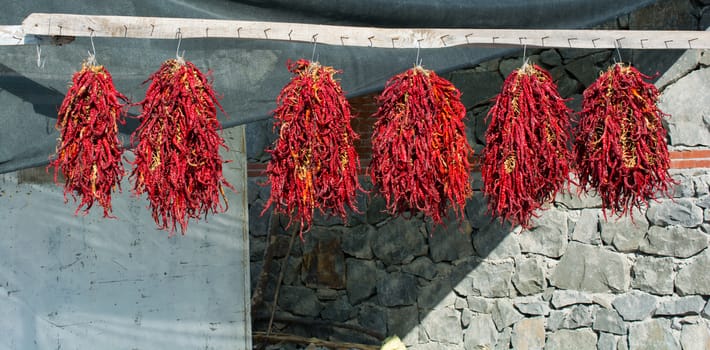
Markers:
(313, 162)
(89, 150)
(177, 161)
(420, 155)
(525, 161)
(620, 148)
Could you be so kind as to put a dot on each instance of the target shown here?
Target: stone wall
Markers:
(575, 280)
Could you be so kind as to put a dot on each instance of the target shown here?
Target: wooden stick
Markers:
(321, 323)
(54, 24)
(290, 338)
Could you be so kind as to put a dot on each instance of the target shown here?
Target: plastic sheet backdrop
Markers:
(86, 282)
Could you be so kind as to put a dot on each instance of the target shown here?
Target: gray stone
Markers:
(652, 334)
(448, 243)
(683, 101)
(635, 306)
(373, 317)
(606, 342)
(356, 241)
(258, 224)
(480, 334)
(579, 316)
(690, 305)
(422, 267)
(361, 280)
(623, 343)
(562, 298)
(508, 65)
(478, 304)
(466, 316)
(580, 339)
(695, 337)
(653, 275)
(436, 294)
(603, 271)
(603, 299)
(548, 235)
(476, 87)
(492, 280)
(495, 241)
(624, 233)
(504, 339)
(572, 199)
(702, 187)
(397, 289)
(477, 209)
(586, 230)
(533, 308)
(586, 69)
(443, 326)
(685, 187)
(504, 314)
(529, 276)
(555, 320)
(703, 202)
(676, 14)
(568, 86)
(460, 303)
(399, 240)
(609, 321)
(674, 241)
(377, 210)
(323, 262)
(338, 310)
(529, 334)
(551, 57)
(680, 211)
(687, 62)
(402, 320)
(706, 310)
(299, 300)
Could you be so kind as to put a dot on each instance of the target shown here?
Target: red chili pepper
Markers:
(420, 155)
(177, 161)
(89, 151)
(525, 160)
(621, 149)
(313, 162)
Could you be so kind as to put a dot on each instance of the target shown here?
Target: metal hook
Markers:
(125, 31)
(92, 55)
(418, 62)
(179, 37)
(443, 37)
(289, 34)
(594, 42)
(569, 41)
(313, 54)
(642, 40)
(617, 45)
(467, 35)
(239, 29)
(542, 40)
(266, 32)
(207, 32)
(393, 40)
(689, 42)
(342, 39)
(91, 37)
(369, 38)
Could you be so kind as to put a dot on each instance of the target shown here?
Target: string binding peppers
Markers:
(420, 154)
(176, 146)
(525, 161)
(89, 151)
(313, 162)
(620, 149)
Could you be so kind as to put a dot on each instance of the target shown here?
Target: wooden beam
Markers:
(54, 24)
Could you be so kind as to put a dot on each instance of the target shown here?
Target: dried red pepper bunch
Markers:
(313, 162)
(420, 155)
(89, 150)
(620, 148)
(177, 161)
(525, 160)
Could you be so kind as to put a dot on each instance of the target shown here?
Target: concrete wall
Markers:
(85, 282)
(576, 280)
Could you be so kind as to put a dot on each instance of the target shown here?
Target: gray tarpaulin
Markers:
(248, 73)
